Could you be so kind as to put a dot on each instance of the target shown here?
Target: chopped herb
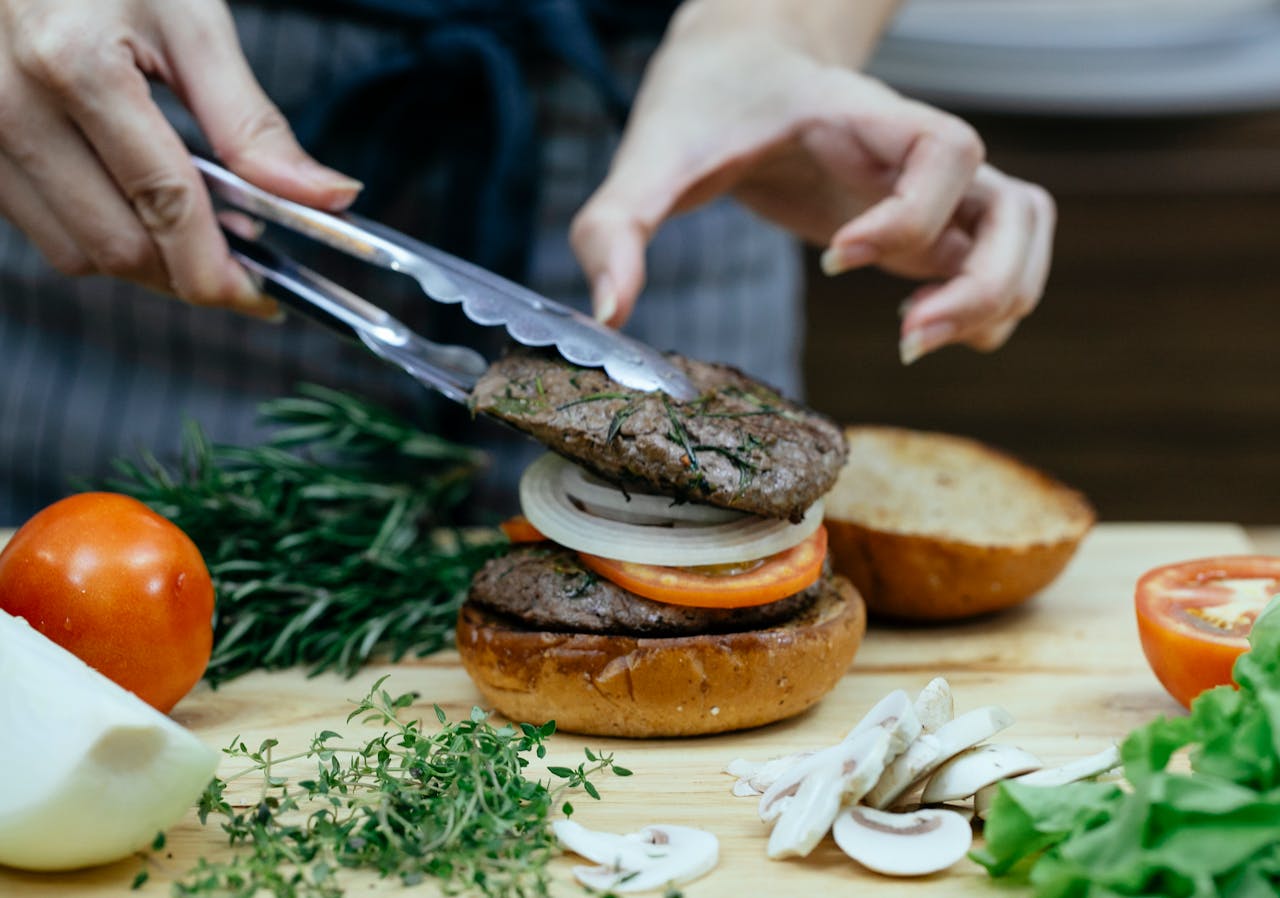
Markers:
(592, 397)
(679, 435)
(619, 417)
(746, 469)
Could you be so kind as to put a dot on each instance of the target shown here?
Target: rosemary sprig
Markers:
(330, 543)
(454, 806)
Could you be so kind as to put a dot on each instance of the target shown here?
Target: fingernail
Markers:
(839, 259)
(345, 187)
(604, 299)
(248, 297)
(921, 341)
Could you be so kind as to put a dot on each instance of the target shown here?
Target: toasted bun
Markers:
(930, 526)
(669, 686)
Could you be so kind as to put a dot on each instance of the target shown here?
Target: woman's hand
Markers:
(832, 155)
(92, 172)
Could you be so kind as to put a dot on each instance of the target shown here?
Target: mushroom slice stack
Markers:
(656, 857)
(930, 750)
(894, 712)
(975, 768)
(1073, 771)
(804, 800)
(898, 749)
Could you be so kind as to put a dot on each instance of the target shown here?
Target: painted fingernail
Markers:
(839, 259)
(921, 341)
(604, 299)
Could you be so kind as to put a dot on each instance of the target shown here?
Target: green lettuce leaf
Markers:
(1211, 833)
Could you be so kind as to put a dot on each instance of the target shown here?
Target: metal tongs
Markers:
(486, 298)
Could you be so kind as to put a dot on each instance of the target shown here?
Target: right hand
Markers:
(92, 171)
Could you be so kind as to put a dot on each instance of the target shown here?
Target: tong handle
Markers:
(331, 230)
(304, 291)
(452, 370)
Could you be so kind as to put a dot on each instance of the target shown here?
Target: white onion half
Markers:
(90, 772)
(674, 542)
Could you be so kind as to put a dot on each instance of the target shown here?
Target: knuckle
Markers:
(581, 228)
(164, 205)
(911, 231)
(69, 261)
(1042, 202)
(960, 139)
(266, 123)
(127, 256)
(56, 55)
(989, 299)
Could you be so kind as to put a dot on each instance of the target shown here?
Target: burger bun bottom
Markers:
(644, 687)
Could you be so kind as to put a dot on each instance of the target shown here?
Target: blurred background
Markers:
(1149, 377)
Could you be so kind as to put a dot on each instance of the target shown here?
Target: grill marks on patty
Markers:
(545, 588)
(738, 445)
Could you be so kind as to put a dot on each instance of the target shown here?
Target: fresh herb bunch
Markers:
(329, 543)
(454, 806)
(1211, 833)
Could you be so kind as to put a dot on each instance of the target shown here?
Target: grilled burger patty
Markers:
(738, 445)
(544, 587)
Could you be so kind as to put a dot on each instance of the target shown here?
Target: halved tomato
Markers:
(1194, 618)
(720, 586)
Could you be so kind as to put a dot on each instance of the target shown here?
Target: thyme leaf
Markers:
(454, 806)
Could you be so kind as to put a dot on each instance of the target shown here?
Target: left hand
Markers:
(837, 158)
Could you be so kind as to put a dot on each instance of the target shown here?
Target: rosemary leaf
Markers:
(335, 541)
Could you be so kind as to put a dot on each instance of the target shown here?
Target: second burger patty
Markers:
(738, 445)
(547, 588)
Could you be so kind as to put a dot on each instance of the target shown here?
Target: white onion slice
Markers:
(677, 543)
(607, 501)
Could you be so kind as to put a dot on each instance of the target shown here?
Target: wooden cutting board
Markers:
(1067, 665)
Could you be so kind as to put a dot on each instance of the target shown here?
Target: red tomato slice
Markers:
(1194, 618)
(720, 586)
(519, 530)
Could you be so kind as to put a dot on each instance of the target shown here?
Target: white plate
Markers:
(1086, 56)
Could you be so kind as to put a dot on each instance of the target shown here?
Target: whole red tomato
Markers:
(117, 585)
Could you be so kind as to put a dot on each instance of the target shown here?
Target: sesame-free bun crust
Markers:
(936, 527)
(666, 686)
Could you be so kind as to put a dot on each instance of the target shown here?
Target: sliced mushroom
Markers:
(895, 713)
(754, 777)
(913, 844)
(841, 773)
(934, 705)
(964, 774)
(1073, 771)
(930, 750)
(656, 857)
(855, 749)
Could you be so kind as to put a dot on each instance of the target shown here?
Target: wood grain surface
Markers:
(1067, 665)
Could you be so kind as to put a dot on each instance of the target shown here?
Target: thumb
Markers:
(609, 241)
(246, 130)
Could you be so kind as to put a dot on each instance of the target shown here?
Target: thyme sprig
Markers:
(454, 806)
(332, 542)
